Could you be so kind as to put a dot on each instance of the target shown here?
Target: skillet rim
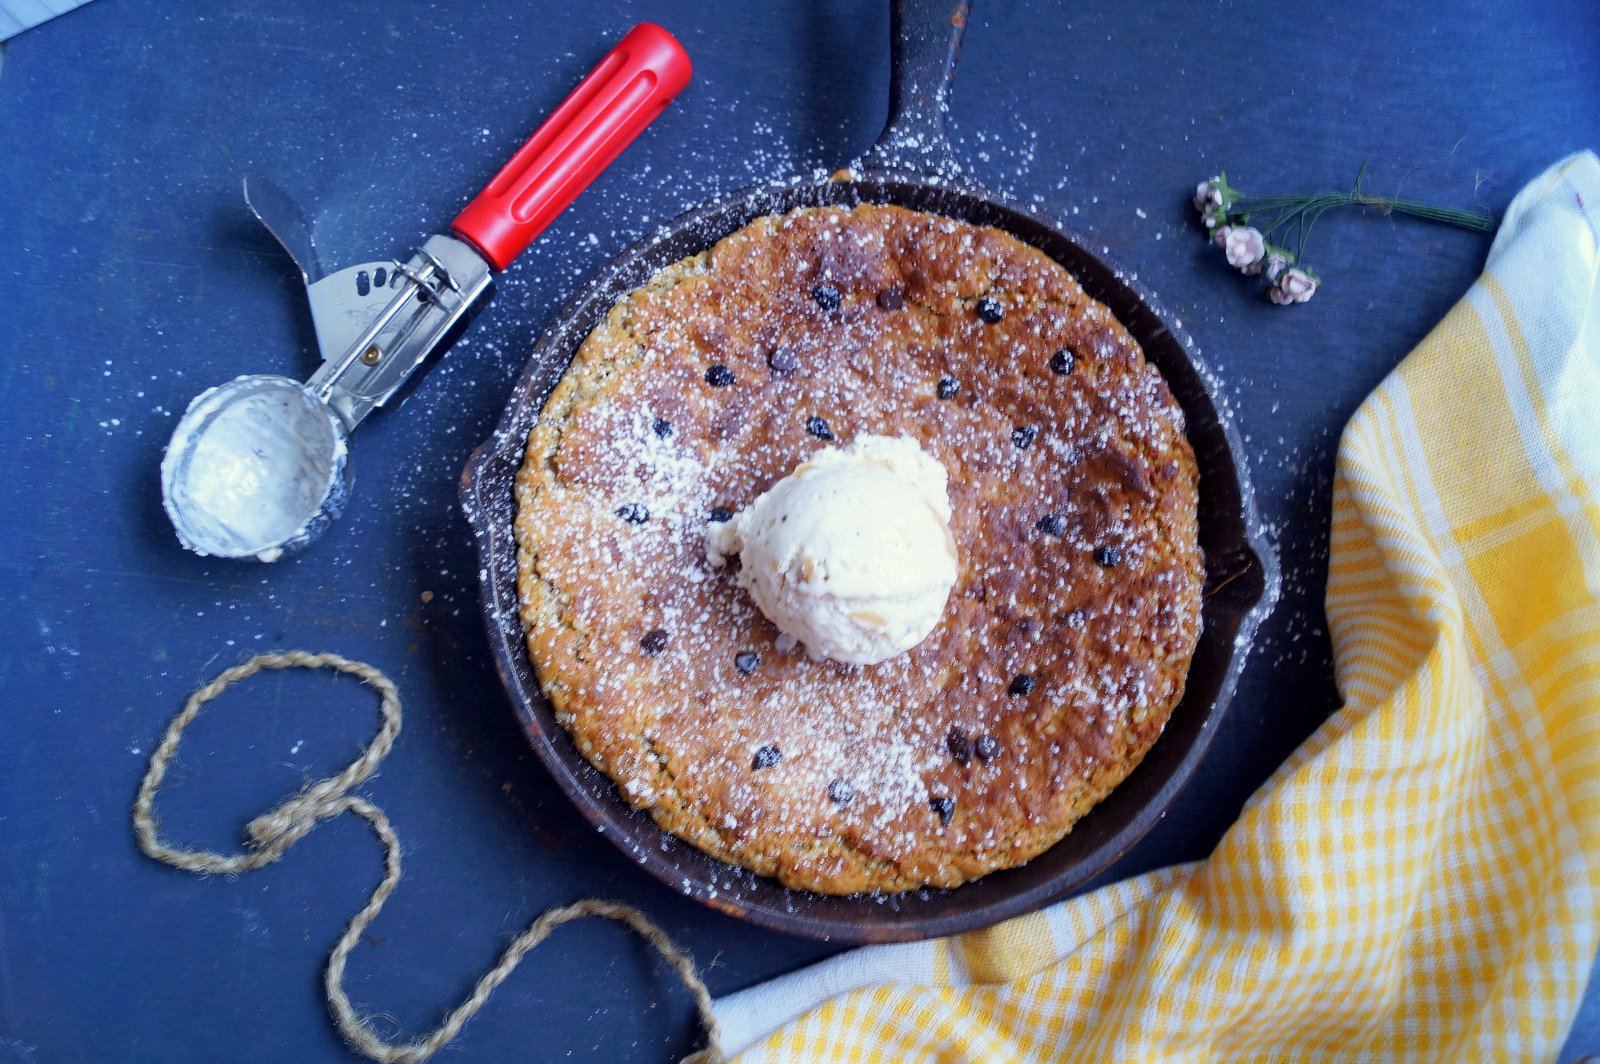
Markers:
(735, 891)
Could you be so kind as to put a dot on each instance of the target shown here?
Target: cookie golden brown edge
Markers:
(1066, 640)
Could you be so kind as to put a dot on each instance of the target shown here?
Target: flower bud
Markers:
(1208, 194)
(1274, 264)
(1293, 286)
(1245, 247)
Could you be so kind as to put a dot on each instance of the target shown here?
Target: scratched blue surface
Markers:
(131, 278)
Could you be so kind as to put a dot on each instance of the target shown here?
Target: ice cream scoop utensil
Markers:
(258, 466)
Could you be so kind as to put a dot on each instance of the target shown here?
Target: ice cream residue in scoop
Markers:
(851, 553)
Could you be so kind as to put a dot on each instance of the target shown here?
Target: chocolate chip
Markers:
(654, 641)
(1107, 556)
(1021, 684)
(945, 806)
(841, 791)
(783, 360)
(987, 747)
(827, 296)
(948, 387)
(959, 744)
(990, 310)
(818, 427)
(747, 661)
(766, 757)
(1063, 361)
(719, 514)
(891, 299)
(635, 513)
(661, 427)
(719, 376)
(1051, 524)
(1022, 437)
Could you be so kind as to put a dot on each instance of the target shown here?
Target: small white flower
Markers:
(1246, 247)
(1294, 286)
(1208, 194)
(1219, 237)
(1276, 262)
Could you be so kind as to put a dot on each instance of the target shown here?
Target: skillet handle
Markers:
(924, 42)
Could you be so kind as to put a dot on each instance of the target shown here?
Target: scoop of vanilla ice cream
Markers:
(851, 553)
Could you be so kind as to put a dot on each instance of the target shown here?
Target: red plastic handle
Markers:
(631, 86)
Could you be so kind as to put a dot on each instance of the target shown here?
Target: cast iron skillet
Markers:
(912, 166)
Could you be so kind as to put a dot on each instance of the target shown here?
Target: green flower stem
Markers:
(1477, 223)
(1307, 209)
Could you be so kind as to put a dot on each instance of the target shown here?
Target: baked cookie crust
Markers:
(1065, 642)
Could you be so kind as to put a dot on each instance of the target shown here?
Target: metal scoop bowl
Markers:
(259, 467)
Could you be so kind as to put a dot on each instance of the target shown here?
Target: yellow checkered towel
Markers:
(1421, 880)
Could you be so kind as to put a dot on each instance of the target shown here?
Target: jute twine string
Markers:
(272, 833)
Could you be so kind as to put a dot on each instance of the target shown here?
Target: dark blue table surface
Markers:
(131, 278)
